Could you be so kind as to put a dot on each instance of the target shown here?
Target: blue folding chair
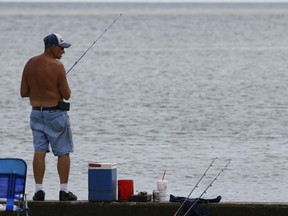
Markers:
(13, 173)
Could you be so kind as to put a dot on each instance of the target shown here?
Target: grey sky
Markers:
(145, 0)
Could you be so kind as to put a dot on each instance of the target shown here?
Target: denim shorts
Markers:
(51, 127)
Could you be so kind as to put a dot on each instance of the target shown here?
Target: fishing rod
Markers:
(210, 165)
(93, 43)
(210, 185)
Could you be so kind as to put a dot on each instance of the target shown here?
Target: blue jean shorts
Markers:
(51, 127)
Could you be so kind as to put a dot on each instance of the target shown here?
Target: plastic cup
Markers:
(162, 188)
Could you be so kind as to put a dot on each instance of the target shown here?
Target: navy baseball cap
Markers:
(55, 39)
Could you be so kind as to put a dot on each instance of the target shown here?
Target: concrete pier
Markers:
(81, 208)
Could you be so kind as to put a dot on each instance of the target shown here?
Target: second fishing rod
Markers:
(210, 165)
(205, 191)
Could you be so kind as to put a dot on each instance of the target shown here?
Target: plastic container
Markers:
(162, 188)
(102, 181)
(125, 189)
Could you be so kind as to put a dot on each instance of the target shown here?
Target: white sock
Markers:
(64, 187)
(38, 187)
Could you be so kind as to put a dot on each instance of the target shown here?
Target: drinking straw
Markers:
(164, 175)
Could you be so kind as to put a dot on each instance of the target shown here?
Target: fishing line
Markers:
(93, 43)
(210, 185)
(210, 165)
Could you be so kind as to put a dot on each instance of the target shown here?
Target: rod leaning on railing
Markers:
(210, 185)
(210, 165)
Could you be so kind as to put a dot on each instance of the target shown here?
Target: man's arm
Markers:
(24, 88)
(63, 84)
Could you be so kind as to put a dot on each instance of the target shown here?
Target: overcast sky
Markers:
(144, 0)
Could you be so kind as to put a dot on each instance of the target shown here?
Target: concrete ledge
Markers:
(249, 209)
(81, 208)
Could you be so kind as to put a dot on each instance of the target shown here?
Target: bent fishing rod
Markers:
(210, 165)
(210, 185)
(93, 44)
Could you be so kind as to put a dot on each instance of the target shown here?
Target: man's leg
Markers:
(39, 166)
(63, 170)
(39, 171)
(63, 167)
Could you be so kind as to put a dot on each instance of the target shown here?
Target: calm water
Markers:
(168, 87)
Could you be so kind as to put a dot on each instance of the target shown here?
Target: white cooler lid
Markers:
(96, 165)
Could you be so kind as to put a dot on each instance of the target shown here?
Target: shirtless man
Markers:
(44, 82)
